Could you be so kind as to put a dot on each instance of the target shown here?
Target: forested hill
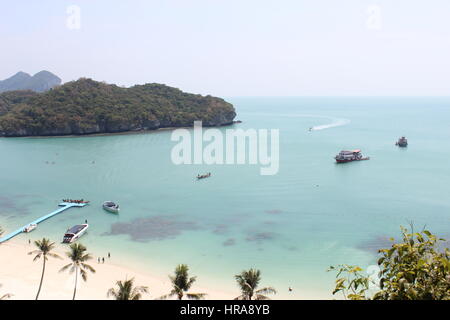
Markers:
(86, 106)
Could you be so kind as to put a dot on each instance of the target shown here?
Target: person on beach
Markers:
(109, 255)
(103, 259)
(98, 259)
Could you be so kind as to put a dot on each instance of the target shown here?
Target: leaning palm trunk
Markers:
(76, 280)
(42, 280)
(44, 250)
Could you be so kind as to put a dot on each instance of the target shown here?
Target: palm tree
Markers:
(44, 250)
(248, 281)
(78, 265)
(127, 291)
(181, 283)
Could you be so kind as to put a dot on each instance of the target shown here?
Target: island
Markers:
(86, 106)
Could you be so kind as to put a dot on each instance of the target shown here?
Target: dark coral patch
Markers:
(375, 244)
(221, 229)
(153, 228)
(229, 242)
(11, 204)
(261, 236)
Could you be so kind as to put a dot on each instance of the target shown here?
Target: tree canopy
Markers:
(86, 106)
(415, 268)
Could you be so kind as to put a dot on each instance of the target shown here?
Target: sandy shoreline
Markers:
(20, 276)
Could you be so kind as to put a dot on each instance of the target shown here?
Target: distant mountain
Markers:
(40, 82)
(86, 106)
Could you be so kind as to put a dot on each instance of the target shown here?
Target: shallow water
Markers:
(292, 226)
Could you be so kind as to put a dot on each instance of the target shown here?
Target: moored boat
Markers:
(203, 176)
(75, 201)
(402, 142)
(75, 233)
(110, 206)
(30, 227)
(349, 156)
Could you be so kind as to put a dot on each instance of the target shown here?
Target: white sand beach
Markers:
(20, 276)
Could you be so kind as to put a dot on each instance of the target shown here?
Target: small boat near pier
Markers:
(75, 233)
(82, 201)
(30, 227)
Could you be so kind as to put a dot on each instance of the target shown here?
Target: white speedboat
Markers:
(75, 233)
(111, 207)
(30, 227)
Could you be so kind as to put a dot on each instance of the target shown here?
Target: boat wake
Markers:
(333, 124)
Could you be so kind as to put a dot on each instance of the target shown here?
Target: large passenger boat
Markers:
(350, 155)
(75, 233)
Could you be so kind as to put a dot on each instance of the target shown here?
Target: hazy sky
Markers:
(236, 47)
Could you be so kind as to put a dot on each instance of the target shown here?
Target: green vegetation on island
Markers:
(86, 106)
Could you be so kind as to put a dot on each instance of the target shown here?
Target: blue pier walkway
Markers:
(64, 206)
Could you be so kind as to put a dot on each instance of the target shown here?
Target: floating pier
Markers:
(64, 206)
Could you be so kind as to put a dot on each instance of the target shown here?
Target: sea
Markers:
(292, 225)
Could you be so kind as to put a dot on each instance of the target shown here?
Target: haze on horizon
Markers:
(236, 48)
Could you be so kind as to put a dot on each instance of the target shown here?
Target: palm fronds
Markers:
(182, 283)
(248, 281)
(125, 290)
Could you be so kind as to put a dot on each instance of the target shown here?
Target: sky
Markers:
(236, 47)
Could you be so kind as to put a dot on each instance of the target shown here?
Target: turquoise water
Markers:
(292, 226)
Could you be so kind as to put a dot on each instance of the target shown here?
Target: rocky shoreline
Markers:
(99, 134)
